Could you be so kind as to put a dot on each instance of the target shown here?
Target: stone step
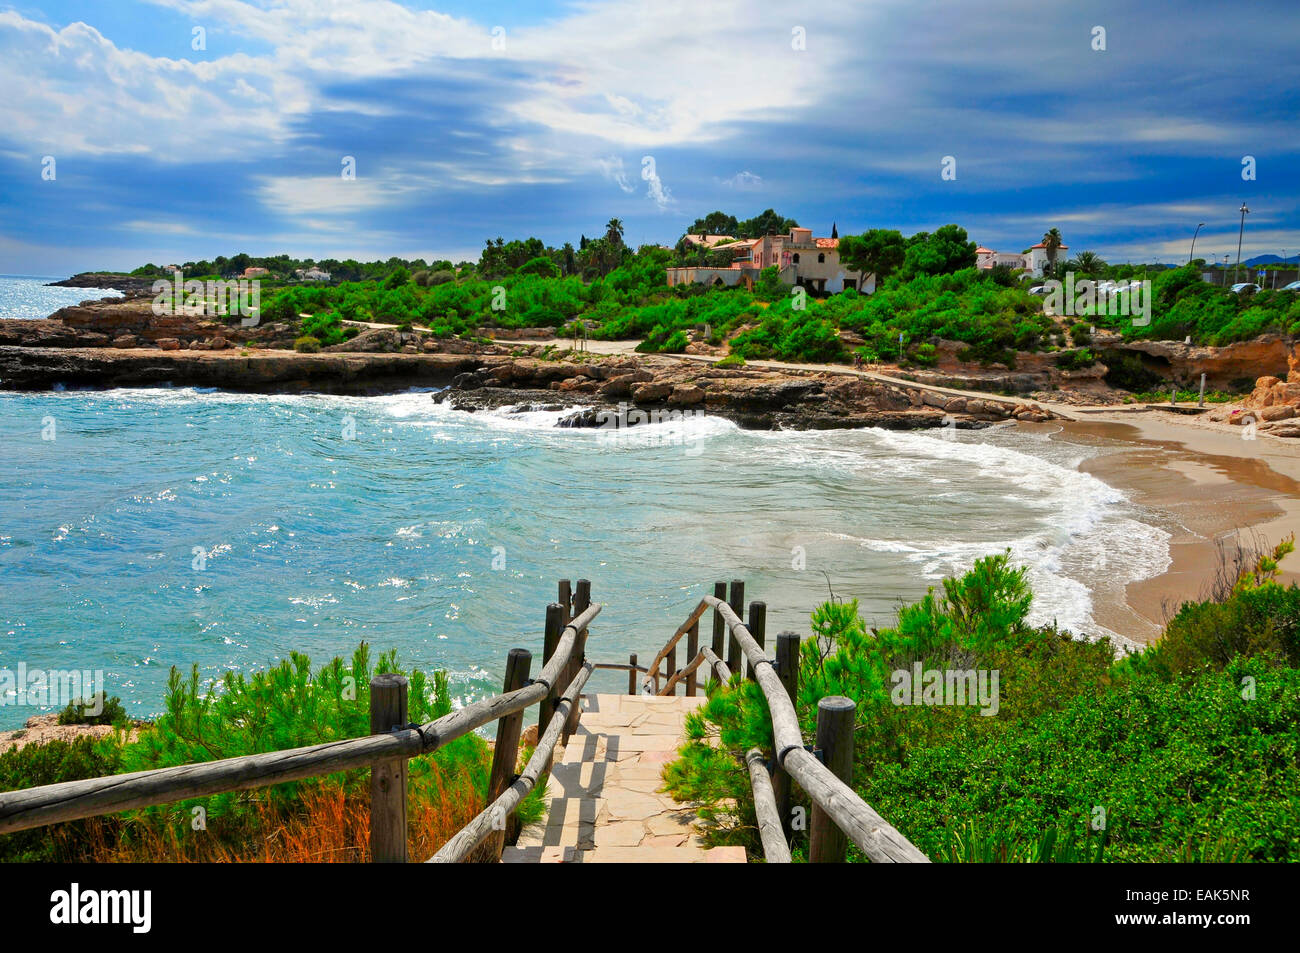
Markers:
(604, 803)
(662, 855)
(623, 855)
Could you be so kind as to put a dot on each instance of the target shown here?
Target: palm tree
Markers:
(1090, 263)
(614, 231)
(1051, 245)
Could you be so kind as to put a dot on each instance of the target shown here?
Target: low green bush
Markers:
(1183, 752)
(53, 763)
(99, 709)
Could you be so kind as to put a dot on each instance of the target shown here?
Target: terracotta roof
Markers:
(826, 242)
(1041, 245)
(985, 251)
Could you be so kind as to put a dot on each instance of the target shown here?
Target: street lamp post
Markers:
(1226, 259)
(1194, 234)
(1236, 274)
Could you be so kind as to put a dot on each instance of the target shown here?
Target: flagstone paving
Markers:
(605, 802)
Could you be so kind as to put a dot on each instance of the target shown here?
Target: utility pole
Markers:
(1236, 275)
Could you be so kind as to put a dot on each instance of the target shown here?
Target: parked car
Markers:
(1039, 291)
(1293, 286)
(1244, 286)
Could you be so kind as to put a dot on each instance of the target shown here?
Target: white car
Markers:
(1039, 291)
(1293, 286)
(1241, 286)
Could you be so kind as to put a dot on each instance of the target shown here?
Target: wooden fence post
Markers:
(566, 599)
(787, 669)
(735, 657)
(670, 665)
(388, 778)
(719, 627)
(581, 602)
(826, 842)
(757, 628)
(550, 639)
(692, 649)
(505, 758)
(631, 675)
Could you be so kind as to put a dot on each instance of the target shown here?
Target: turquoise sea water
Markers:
(26, 296)
(141, 529)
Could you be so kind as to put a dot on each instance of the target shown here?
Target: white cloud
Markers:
(744, 180)
(332, 194)
(75, 92)
(611, 167)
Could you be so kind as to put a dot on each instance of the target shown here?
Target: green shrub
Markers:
(924, 355)
(306, 344)
(539, 266)
(53, 763)
(109, 711)
(289, 706)
(1075, 360)
(1088, 756)
(731, 360)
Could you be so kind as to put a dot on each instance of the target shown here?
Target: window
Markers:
(821, 258)
(795, 258)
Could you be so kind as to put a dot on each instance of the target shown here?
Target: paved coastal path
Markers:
(606, 805)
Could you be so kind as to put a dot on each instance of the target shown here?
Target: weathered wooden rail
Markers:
(735, 650)
(839, 815)
(386, 751)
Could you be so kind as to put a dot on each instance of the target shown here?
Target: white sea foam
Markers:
(1083, 535)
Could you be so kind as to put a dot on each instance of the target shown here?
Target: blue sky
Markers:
(653, 111)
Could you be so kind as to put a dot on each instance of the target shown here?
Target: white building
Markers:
(1031, 262)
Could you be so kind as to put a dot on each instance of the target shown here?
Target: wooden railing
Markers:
(824, 772)
(392, 742)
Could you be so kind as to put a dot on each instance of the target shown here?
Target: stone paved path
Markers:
(605, 802)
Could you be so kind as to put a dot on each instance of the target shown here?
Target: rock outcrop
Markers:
(1272, 405)
(129, 285)
(622, 391)
(1224, 367)
(34, 368)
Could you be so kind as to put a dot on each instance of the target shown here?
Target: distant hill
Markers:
(1271, 260)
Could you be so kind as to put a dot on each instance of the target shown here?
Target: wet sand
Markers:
(1202, 483)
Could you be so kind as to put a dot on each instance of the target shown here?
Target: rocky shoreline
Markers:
(129, 285)
(625, 390)
(122, 343)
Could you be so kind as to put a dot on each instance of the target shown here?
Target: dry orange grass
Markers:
(326, 825)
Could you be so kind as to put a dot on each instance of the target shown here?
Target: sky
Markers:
(163, 131)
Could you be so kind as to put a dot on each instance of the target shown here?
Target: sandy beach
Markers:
(1199, 481)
